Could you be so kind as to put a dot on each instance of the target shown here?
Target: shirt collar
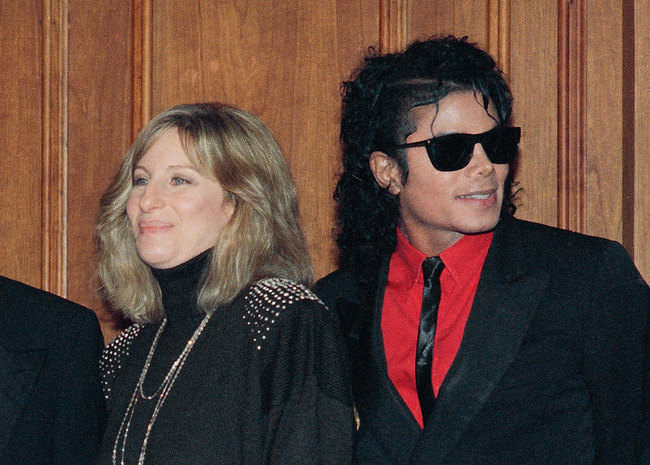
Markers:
(462, 260)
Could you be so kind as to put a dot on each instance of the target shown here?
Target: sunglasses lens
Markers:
(453, 152)
(501, 144)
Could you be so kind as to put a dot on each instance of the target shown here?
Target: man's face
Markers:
(439, 207)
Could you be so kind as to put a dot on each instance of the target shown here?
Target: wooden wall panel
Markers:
(21, 57)
(641, 162)
(99, 125)
(603, 190)
(283, 62)
(533, 80)
(442, 17)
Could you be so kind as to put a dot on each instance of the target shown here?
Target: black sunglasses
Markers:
(453, 152)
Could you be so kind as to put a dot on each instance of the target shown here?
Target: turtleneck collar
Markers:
(180, 285)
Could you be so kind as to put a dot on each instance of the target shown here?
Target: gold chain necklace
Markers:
(162, 392)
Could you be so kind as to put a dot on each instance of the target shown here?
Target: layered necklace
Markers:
(162, 392)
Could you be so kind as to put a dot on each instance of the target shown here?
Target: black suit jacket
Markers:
(552, 369)
(51, 405)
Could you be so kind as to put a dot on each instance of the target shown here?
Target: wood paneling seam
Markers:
(498, 27)
(571, 164)
(393, 21)
(628, 136)
(141, 63)
(54, 154)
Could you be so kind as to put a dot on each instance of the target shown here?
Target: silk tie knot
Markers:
(431, 269)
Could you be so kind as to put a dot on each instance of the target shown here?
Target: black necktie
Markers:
(431, 269)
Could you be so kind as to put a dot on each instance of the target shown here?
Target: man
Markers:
(525, 344)
(51, 405)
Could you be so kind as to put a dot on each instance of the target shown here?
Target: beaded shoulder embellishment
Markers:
(115, 353)
(266, 300)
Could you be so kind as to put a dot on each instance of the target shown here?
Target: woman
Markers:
(232, 359)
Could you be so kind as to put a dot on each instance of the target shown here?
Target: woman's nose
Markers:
(152, 197)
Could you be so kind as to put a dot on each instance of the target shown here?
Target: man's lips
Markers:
(479, 195)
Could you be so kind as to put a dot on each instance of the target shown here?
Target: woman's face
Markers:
(176, 211)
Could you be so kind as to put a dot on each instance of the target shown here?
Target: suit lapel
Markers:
(505, 302)
(18, 371)
(382, 410)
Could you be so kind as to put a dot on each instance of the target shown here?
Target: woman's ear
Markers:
(386, 172)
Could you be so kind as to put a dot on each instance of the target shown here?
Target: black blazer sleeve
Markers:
(80, 411)
(616, 358)
(51, 406)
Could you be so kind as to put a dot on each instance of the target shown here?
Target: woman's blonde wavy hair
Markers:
(262, 239)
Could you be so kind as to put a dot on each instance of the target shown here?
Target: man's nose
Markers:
(480, 163)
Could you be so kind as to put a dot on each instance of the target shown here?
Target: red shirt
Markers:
(401, 310)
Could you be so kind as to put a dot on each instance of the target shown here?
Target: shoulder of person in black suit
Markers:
(51, 407)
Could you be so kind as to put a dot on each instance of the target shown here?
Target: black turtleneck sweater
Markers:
(265, 383)
(179, 287)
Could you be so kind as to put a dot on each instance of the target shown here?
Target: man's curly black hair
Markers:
(375, 115)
